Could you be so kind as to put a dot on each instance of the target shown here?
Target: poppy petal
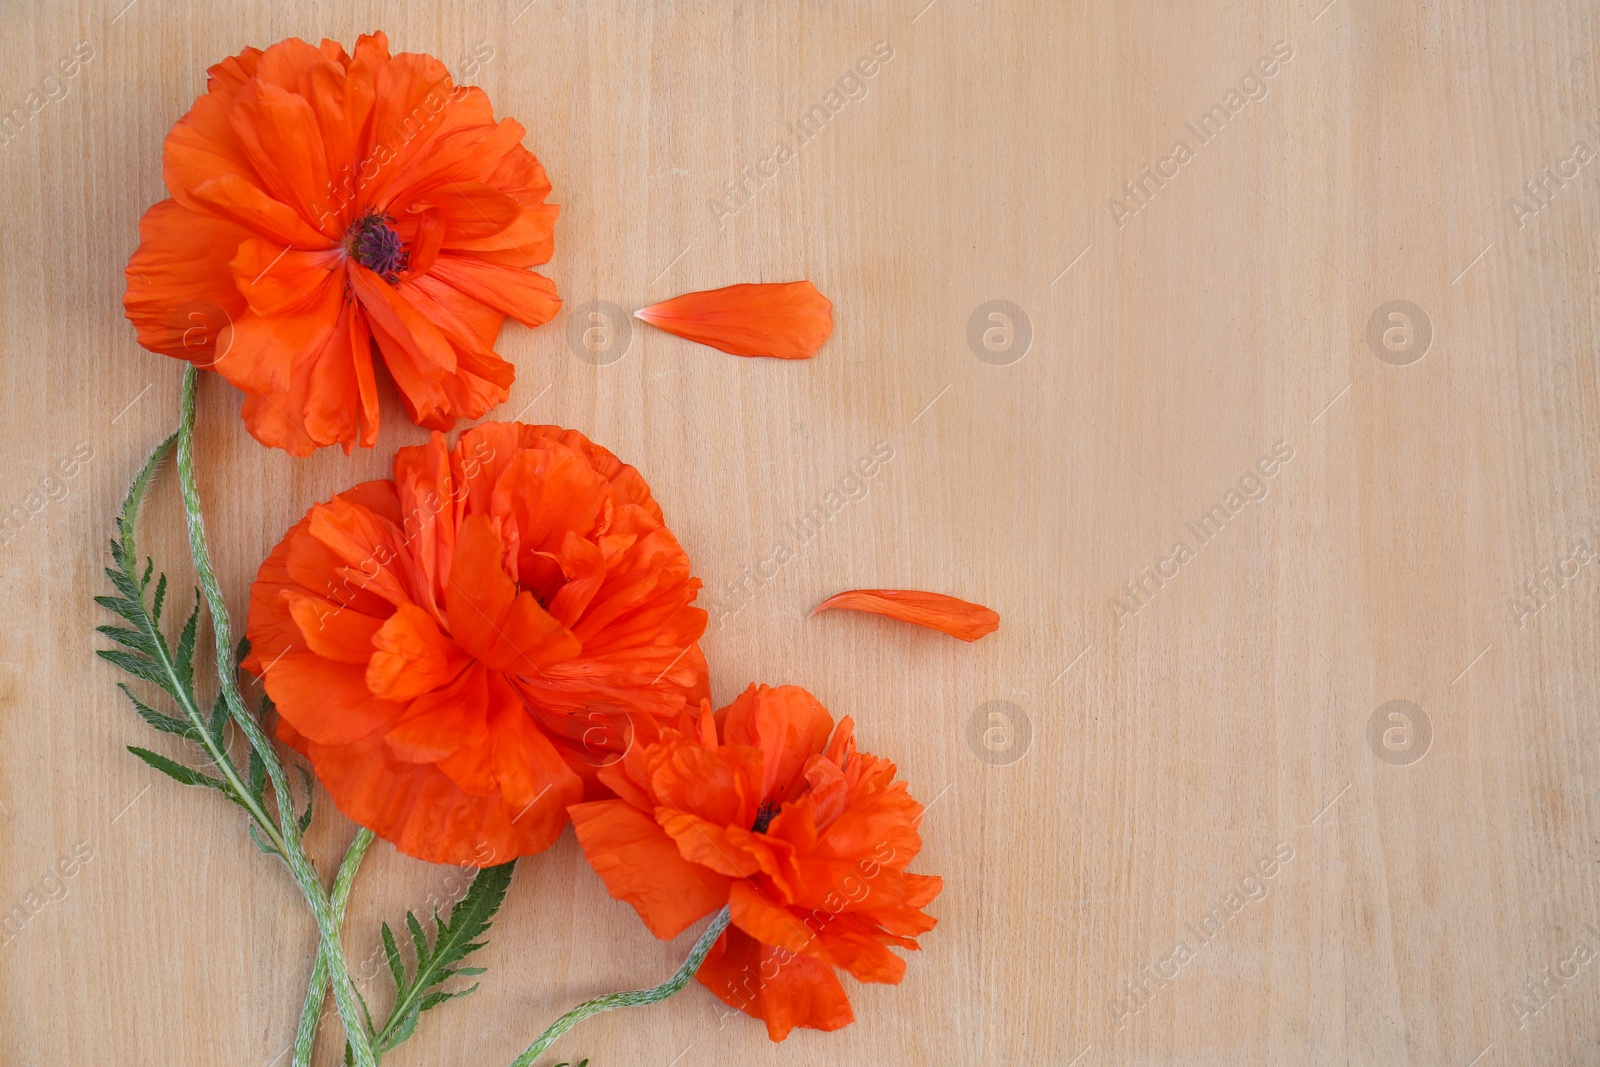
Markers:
(527, 297)
(442, 721)
(327, 702)
(419, 808)
(786, 320)
(181, 295)
(801, 992)
(958, 618)
(413, 656)
(640, 865)
(506, 629)
(786, 723)
(517, 760)
(771, 923)
(331, 630)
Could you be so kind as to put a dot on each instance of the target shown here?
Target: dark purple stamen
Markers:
(372, 242)
(764, 816)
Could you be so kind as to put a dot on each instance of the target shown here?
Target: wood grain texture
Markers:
(1175, 741)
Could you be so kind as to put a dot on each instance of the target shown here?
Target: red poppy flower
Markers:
(804, 837)
(786, 320)
(326, 205)
(459, 650)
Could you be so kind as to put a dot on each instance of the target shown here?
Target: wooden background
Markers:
(1148, 759)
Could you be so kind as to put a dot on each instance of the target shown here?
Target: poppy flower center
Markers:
(372, 242)
(764, 816)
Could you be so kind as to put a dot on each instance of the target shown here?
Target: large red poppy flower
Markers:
(459, 651)
(326, 205)
(804, 837)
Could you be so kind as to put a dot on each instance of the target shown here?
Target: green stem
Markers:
(294, 852)
(218, 756)
(317, 988)
(632, 998)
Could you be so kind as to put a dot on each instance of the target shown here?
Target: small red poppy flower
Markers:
(769, 808)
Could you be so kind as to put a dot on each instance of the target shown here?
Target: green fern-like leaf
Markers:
(174, 769)
(305, 816)
(167, 724)
(141, 667)
(185, 653)
(146, 654)
(438, 957)
(391, 952)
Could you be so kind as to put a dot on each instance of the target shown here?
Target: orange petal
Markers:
(181, 294)
(504, 628)
(958, 618)
(413, 656)
(787, 724)
(800, 992)
(328, 702)
(788, 320)
(277, 131)
(527, 297)
(641, 865)
(442, 721)
(772, 924)
(331, 630)
(421, 809)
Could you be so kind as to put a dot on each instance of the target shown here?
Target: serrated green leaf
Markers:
(168, 724)
(184, 656)
(217, 725)
(135, 495)
(119, 606)
(433, 1000)
(125, 584)
(391, 952)
(138, 666)
(406, 1027)
(362, 1002)
(159, 599)
(258, 775)
(148, 656)
(457, 937)
(132, 639)
(419, 940)
(174, 769)
(305, 816)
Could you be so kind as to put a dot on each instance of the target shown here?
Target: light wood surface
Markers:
(1173, 748)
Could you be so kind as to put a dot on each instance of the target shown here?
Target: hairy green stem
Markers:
(214, 750)
(294, 853)
(632, 998)
(317, 988)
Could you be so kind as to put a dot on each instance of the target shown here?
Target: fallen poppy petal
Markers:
(958, 618)
(786, 320)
